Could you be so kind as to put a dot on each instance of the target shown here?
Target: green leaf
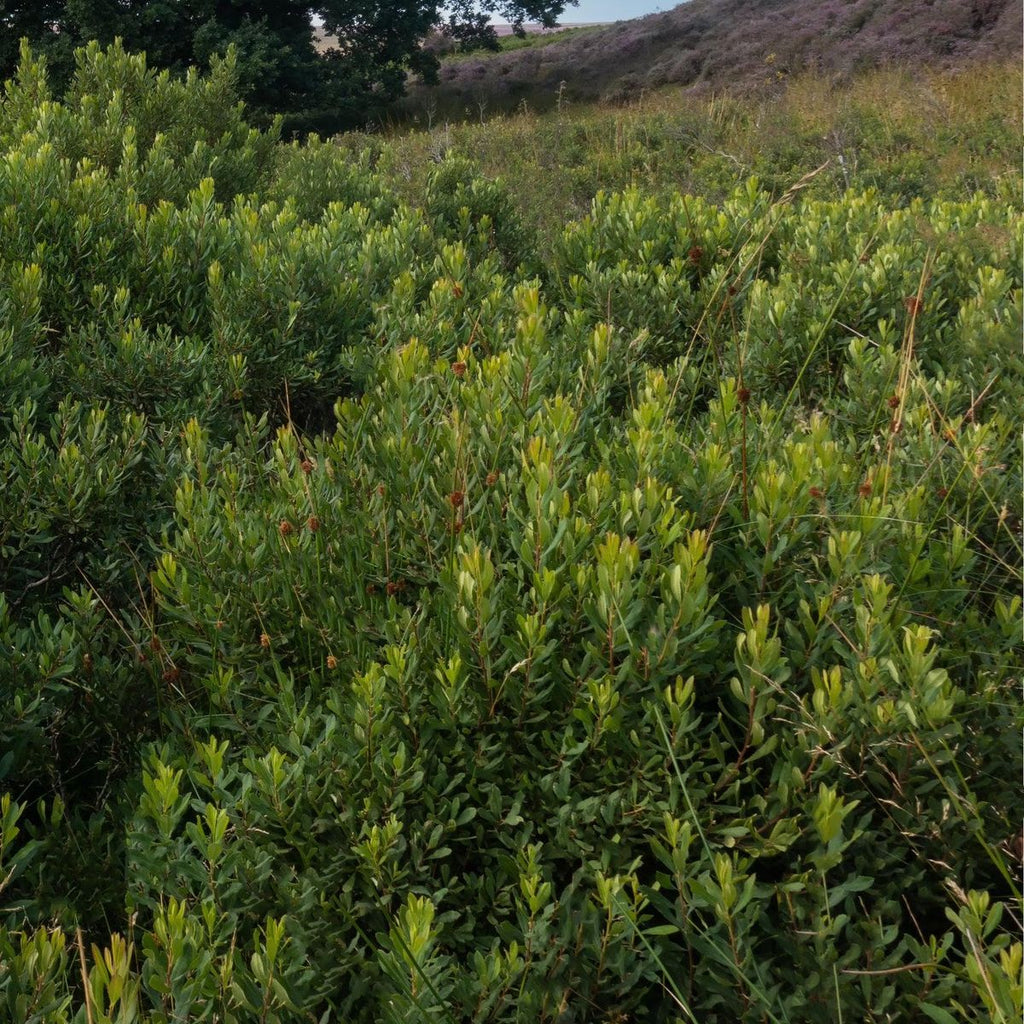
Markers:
(937, 1014)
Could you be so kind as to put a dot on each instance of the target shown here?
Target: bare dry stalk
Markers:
(85, 974)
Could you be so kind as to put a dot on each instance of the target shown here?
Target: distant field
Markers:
(324, 42)
(533, 29)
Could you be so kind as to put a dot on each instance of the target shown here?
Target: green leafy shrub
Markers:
(135, 303)
(386, 635)
(315, 174)
(477, 211)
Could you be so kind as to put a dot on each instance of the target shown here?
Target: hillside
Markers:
(744, 44)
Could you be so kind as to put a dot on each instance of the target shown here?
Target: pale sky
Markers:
(614, 10)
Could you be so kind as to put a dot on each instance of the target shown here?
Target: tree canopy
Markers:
(281, 69)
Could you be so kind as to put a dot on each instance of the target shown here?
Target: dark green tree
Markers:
(282, 68)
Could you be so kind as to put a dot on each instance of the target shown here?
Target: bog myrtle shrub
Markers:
(480, 213)
(397, 624)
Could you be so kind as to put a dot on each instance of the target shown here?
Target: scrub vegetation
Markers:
(586, 595)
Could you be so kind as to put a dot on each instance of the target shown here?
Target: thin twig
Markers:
(85, 974)
(892, 970)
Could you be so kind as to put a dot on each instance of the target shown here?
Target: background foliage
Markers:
(284, 65)
(407, 614)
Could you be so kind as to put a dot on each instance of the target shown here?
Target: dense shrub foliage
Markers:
(399, 621)
(323, 64)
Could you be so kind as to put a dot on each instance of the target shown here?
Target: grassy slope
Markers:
(905, 134)
(719, 43)
(509, 43)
